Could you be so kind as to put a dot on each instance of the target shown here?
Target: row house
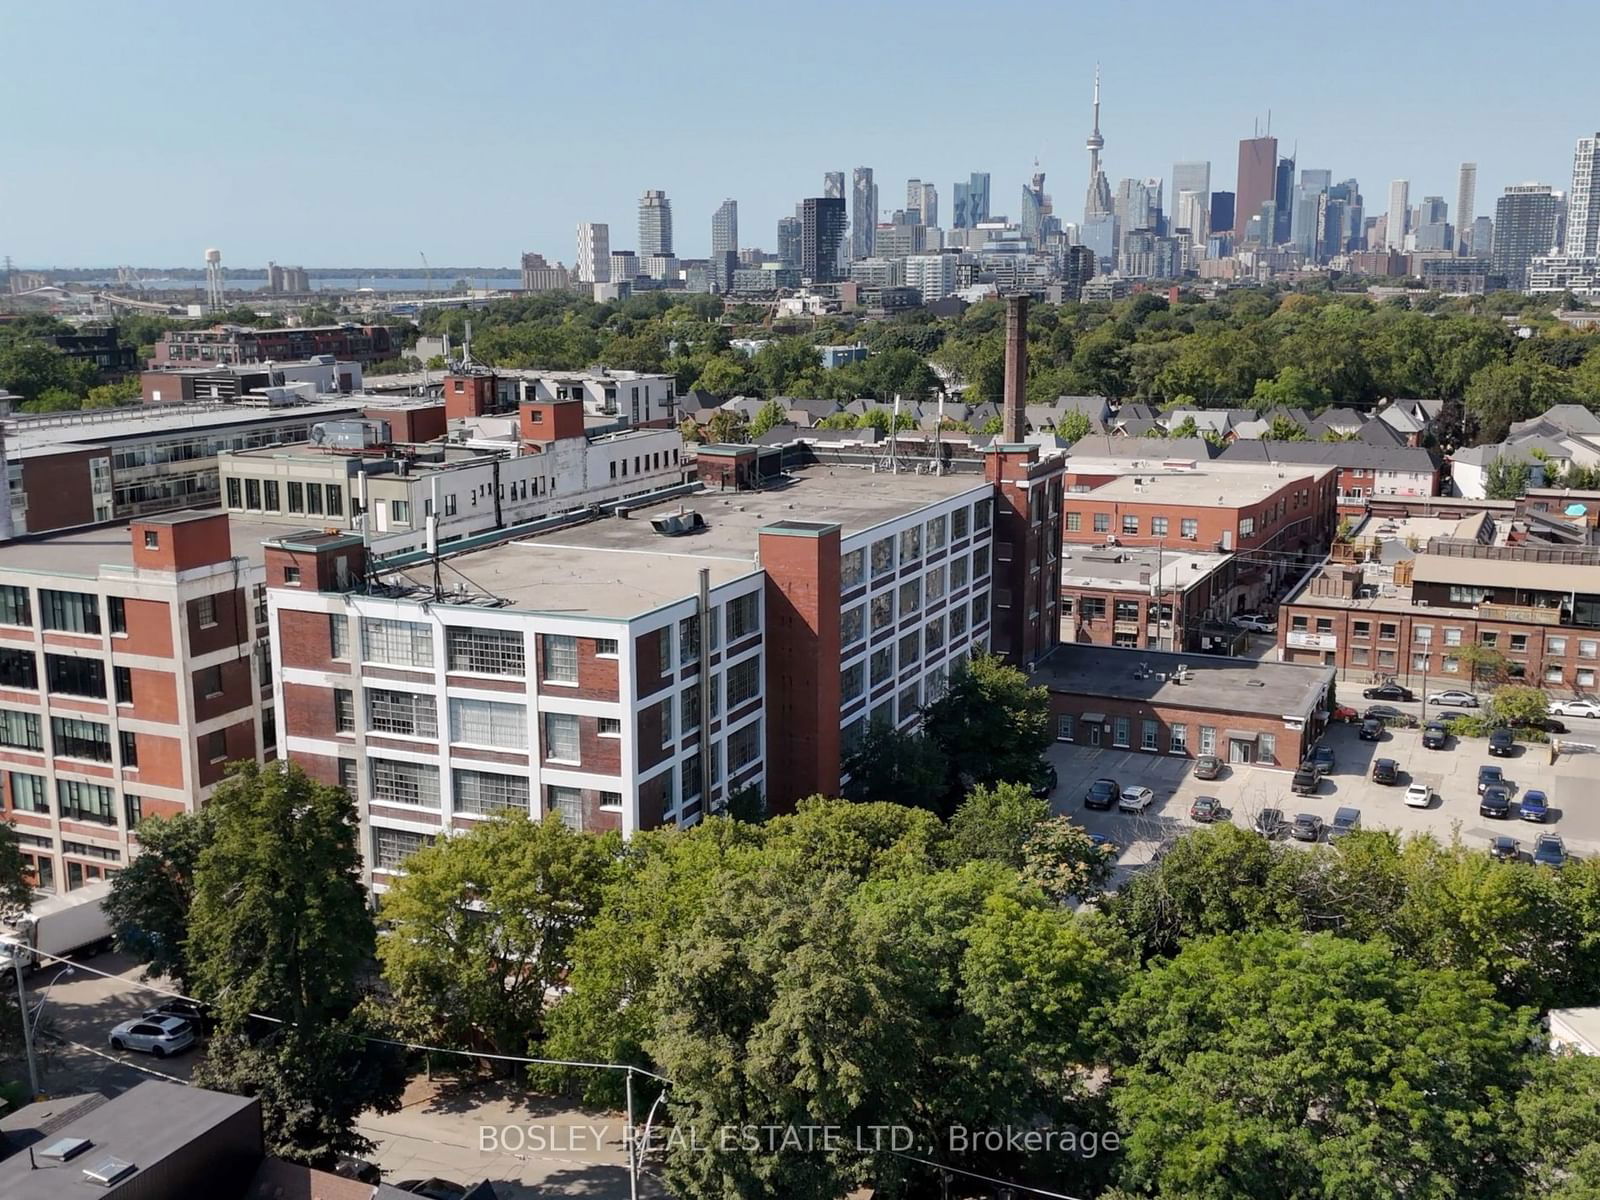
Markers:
(133, 670)
(1364, 471)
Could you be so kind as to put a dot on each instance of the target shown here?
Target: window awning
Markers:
(1235, 735)
(1093, 718)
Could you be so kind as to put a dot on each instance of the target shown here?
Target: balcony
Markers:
(1524, 614)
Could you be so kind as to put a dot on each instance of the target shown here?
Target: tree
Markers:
(150, 898)
(996, 823)
(1558, 1128)
(769, 415)
(1483, 663)
(53, 399)
(722, 375)
(1516, 704)
(113, 394)
(1283, 429)
(896, 766)
(279, 928)
(16, 891)
(1275, 1064)
(1065, 862)
(481, 928)
(1506, 478)
(1515, 391)
(1074, 426)
(726, 426)
(1185, 428)
(991, 725)
(688, 430)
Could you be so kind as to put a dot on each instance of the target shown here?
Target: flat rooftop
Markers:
(1135, 570)
(431, 457)
(1215, 682)
(90, 553)
(43, 431)
(1211, 484)
(621, 567)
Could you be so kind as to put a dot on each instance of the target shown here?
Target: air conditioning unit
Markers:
(1422, 604)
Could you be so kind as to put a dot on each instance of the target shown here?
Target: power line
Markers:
(1021, 1187)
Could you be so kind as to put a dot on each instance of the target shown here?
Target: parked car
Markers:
(1269, 823)
(1534, 806)
(1388, 691)
(1549, 850)
(1255, 623)
(1205, 809)
(1419, 795)
(1135, 799)
(1545, 725)
(1488, 777)
(1305, 780)
(1322, 760)
(1454, 697)
(159, 1036)
(1347, 714)
(200, 1016)
(1386, 713)
(1307, 827)
(1501, 741)
(1208, 766)
(1385, 770)
(1495, 802)
(1445, 715)
(1102, 794)
(1435, 736)
(1345, 821)
(1371, 730)
(1576, 708)
(1505, 848)
(1044, 781)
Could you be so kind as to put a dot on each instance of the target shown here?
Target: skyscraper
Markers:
(1527, 222)
(1394, 230)
(1306, 220)
(971, 201)
(790, 233)
(1258, 181)
(930, 204)
(655, 224)
(1136, 205)
(833, 185)
(1192, 177)
(1190, 213)
(1432, 211)
(724, 245)
(1466, 205)
(1583, 202)
(1033, 204)
(863, 213)
(914, 200)
(594, 252)
(1098, 202)
(1283, 193)
(823, 221)
(1222, 211)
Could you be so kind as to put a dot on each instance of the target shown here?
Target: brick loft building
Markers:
(638, 670)
(1441, 585)
(1147, 598)
(365, 344)
(130, 677)
(627, 398)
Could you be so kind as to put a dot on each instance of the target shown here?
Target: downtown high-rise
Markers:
(1527, 223)
(1399, 215)
(1097, 204)
(655, 225)
(724, 245)
(922, 199)
(863, 213)
(1258, 183)
(1191, 200)
(1466, 206)
(823, 221)
(971, 201)
(594, 252)
(1583, 201)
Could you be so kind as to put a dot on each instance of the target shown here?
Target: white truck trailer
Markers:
(66, 924)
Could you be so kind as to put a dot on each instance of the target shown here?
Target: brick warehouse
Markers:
(130, 675)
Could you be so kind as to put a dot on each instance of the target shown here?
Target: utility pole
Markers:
(27, 1026)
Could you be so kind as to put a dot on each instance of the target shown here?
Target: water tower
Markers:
(214, 280)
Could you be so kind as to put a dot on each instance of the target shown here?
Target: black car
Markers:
(1307, 827)
(1322, 760)
(198, 1015)
(1305, 780)
(1385, 770)
(1488, 777)
(1495, 801)
(1346, 821)
(1269, 823)
(1387, 713)
(1500, 742)
(1435, 736)
(1371, 730)
(1504, 848)
(1044, 781)
(1103, 793)
(1388, 691)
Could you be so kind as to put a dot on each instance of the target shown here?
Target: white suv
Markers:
(1256, 623)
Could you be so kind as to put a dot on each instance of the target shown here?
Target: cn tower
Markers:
(1098, 202)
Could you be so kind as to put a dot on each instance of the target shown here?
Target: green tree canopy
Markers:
(150, 898)
(991, 725)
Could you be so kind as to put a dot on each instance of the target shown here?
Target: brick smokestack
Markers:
(1012, 420)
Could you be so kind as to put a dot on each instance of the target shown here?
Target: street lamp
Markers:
(30, 1025)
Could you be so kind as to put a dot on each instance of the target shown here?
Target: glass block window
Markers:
(485, 651)
(489, 723)
(561, 737)
(560, 658)
(566, 805)
(408, 714)
(391, 847)
(484, 793)
(416, 784)
(396, 643)
(744, 681)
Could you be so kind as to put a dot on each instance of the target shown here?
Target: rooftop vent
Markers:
(1255, 683)
(65, 1149)
(108, 1171)
(678, 524)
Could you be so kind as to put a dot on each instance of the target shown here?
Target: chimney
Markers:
(1013, 422)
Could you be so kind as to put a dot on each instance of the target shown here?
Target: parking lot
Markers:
(1572, 785)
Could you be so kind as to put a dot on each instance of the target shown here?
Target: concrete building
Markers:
(655, 224)
(822, 235)
(1583, 201)
(935, 276)
(618, 399)
(625, 266)
(365, 344)
(1144, 598)
(594, 252)
(1464, 583)
(1578, 274)
(539, 276)
(1394, 233)
(1466, 209)
(1527, 224)
(133, 669)
(231, 382)
(791, 236)
(1258, 182)
(863, 213)
(724, 245)
(1155, 702)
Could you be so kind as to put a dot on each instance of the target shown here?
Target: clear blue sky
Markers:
(346, 133)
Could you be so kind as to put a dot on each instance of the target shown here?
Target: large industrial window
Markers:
(70, 612)
(882, 606)
(852, 682)
(744, 681)
(911, 544)
(489, 723)
(391, 847)
(14, 606)
(484, 793)
(68, 676)
(566, 805)
(561, 737)
(28, 793)
(338, 635)
(81, 739)
(20, 729)
(958, 524)
(86, 802)
(852, 569)
(742, 613)
(882, 556)
(852, 626)
(744, 746)
(18, 668)
(560, 658)
(397, 643)
(344, 710)
(394, 782)
(486, 651)
(406, 713)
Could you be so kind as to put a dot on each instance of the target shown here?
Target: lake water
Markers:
(402, 283)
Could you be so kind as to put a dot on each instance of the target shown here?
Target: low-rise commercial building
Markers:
(133, 669)
(626, 397)
(365, 344)
(230, 382)
(1146, 598)
(1156, 702)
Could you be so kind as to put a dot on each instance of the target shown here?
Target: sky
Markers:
(355, 133)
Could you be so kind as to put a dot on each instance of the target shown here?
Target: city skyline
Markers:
(237, 166)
